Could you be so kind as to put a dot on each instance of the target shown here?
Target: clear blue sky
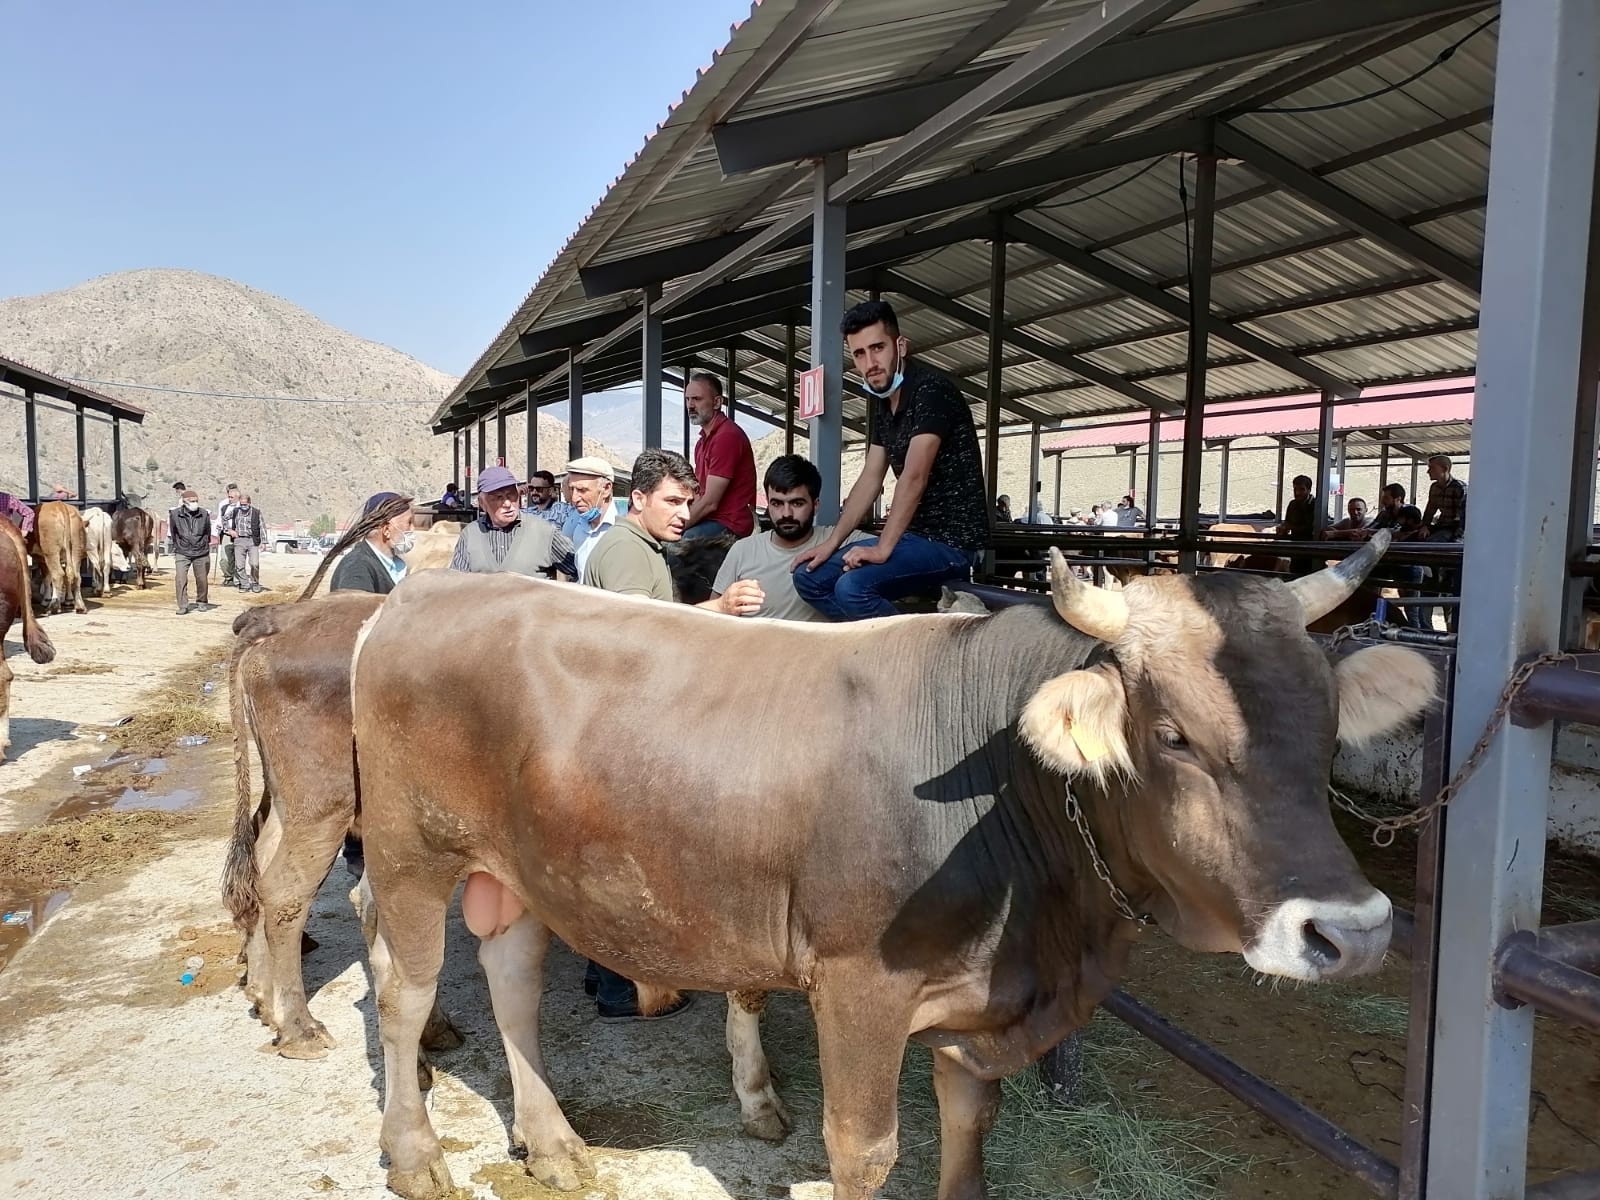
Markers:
(404, 170)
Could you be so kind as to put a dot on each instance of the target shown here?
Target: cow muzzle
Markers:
(1320, 940)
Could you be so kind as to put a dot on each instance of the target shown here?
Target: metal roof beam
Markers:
(1039, 348)
(1158, 298)
(1359, 215)
(820, 129)
(908, 204)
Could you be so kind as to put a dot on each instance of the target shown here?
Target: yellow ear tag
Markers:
(1088, 743)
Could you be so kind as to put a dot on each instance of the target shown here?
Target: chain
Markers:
(1384, 829)
(1118, 896)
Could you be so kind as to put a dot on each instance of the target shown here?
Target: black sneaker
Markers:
(616, 1014)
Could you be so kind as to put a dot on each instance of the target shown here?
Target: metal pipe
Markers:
(1309, 1128)
(1577, 945)
(1222, 491)
(1583, 1186)
(1563, 691)
(1522, 973)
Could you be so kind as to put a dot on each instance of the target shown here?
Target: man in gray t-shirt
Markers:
(792, 485)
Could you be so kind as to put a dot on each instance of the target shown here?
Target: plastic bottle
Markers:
(191, 966)
(193, 739)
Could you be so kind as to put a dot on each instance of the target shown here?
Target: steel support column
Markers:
(83, 453)
(483, 444)
(1194, 392)
(531, 436)
(1411, 496)
(1152, 473)
(997, 350)
(1324, 462)
(1133, 470)
(733, 381)
(1222, 490)
(651, 366)
(30, 418)
(827, 311)
(1541, 187)
(788, 386)
(466, 461)
(1057, 509)
(1586, 436)
(1383, 464)
(688, 446)
(116, 457)
(1283, 453)
(575, 407)
(455, 456)
(1033, 470)
(500, 436)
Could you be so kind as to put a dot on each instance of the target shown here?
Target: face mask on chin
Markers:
(405, 543)
(898, 378)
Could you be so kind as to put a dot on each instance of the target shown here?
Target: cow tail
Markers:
(240, 875)
(34, 639)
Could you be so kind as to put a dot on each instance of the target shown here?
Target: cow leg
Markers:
(862, 1028)
(513, 961)
(967, 1109)
(405, 979)
(6, 676)
(288, 886)
(257, 957)
(760, 1111)
(438, 1032)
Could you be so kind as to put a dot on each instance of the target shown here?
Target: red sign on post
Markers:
(810, 405)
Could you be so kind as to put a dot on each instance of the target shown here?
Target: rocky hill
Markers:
(363, 428)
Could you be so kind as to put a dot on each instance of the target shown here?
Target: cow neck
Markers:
(1018, 651)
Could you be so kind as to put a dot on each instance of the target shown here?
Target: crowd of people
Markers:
(234, 533)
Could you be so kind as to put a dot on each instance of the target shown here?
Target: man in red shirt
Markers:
(724, 465)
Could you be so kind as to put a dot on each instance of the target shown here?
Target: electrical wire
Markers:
(153, 387)
(1144, 170)
(1438, 61)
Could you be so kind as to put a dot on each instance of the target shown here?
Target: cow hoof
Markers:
(440, 1033)
(772, 1125)
(431, 1182)
(308, 1041)
(561, 1172)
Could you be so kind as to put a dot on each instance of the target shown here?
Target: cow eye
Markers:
(1171, 738)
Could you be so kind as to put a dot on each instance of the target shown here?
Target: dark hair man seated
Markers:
(939, 520)
(793, 486)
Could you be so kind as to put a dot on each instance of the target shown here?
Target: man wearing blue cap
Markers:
(378, 563)
(500, 540)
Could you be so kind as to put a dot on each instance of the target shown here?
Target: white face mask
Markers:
(404, 543)
(191, 505)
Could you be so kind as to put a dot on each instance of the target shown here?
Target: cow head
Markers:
(1210, 731)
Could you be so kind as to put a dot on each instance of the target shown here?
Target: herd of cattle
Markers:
(44, 569)
(953, 844)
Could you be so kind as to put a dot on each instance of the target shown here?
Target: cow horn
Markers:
(1095, 611)
(1323, 592)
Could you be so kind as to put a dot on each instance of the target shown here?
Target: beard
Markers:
(792, 530)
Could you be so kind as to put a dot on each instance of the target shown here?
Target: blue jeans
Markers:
(706, 529)
(612, 990)
(916, 566)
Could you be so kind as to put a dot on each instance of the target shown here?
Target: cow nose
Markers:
(1317, 940)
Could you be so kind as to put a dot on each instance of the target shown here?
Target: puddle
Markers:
(120, 798)
(22, 915)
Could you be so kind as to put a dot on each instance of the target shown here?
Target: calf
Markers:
(133, 530)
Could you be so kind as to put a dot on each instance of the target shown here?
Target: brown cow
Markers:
(16, 600)
(911, 863)
(58, 541)
(134, 531)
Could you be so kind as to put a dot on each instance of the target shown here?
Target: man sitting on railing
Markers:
(1353, 528)
(1300, 523)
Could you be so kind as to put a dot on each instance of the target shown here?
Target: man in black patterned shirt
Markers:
(939, 521)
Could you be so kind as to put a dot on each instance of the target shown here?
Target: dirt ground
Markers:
(121, 1081)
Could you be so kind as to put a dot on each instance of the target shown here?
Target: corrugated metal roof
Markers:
(1290, 272)
(20, 374)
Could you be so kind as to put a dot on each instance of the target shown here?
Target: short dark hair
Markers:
(449, 487)
(654, 467)
(707, 378)
(1440, 458)
(867, 314)
(1397, 490)
(180, 486)
(792, 471)
(1411, 513)
(544, 475)
(1305, 479)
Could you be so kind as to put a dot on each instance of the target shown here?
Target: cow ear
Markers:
(1074, 723)
(1382, 688)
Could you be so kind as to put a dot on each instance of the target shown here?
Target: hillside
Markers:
(186, 330)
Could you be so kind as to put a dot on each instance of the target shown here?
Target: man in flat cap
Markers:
(500, 540)
(590, 480)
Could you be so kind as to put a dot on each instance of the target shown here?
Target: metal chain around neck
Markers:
(1118, 896)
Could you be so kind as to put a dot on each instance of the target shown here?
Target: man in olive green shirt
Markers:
(629, 559)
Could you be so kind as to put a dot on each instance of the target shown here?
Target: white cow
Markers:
(97, 536)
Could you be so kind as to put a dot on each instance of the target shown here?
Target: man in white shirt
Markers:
(793, 485)
(589, 483)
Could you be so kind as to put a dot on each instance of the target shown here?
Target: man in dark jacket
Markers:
(189, 526)
(248, 531)
(377, 564)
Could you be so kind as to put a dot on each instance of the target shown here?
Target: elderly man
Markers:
(590, 481)
(543, 502)
(249, 529)
(793, 486)
(940, 520)
(724, 465)
(189, 526)
(629, 560)
(379, 562)
(500, 540)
